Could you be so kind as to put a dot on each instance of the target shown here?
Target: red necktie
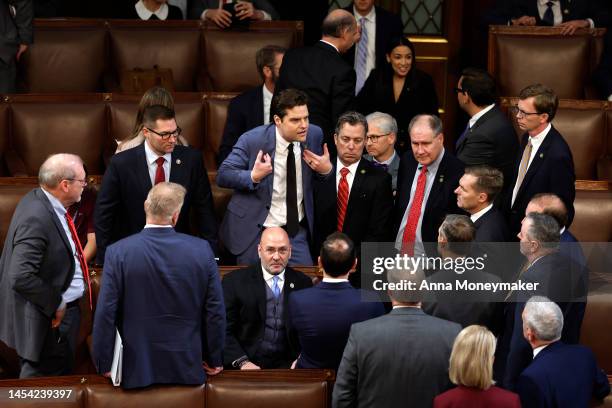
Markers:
(79, 250)
(160, 175)
(414, 214)
(343, 194)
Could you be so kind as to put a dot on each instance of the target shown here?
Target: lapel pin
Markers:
(441, 179)
(566, 11)
(178, 161)
(362, 171)
(291, 285)
(541, 155)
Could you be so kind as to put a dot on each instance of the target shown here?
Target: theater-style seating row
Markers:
(85, 55)
(587, 128)
(265, 388)
(521, 56)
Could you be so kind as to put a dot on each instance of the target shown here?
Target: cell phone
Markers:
(230, 7)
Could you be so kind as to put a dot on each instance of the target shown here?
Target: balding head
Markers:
(340, 29)
(163, 203)
(63, 176)
(274, 250)
(549, 204)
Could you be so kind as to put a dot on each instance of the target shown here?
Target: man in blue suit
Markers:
(161, 290)
(560, 375)
(322, 316)
(271, 169)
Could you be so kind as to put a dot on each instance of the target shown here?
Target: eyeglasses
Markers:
(167, 135)
(521, 113)
(374, 138)
(459, 90)
(82, 181)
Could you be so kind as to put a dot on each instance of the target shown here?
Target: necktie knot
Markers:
(275, 286)
(344, 171)
(549, 3)
(290, 148)
(423, 169)
(383, 166)
(160, 161)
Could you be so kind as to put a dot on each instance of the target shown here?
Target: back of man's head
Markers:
(337, 22)
(58, 167)
(489, 180)
(459, 232)
(544, 229)
(479, 85)
(152, 114)
(265, 57)
(549, 204)
(406, 289)
(163, 203)
(544, 318)
(337, 255)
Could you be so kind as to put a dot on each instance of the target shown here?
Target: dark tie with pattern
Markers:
(549, 17)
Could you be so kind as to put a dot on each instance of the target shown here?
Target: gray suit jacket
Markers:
(197, 7)
(36, 267)
(14, 30)
(392, 169)
(400, 359)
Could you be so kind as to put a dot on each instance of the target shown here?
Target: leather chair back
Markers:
(4, 136)
(593, 219)
(592, 333)
(215, 116)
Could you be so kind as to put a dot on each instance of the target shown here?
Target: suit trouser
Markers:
(8, 76)
(300, 250)
(57, 354)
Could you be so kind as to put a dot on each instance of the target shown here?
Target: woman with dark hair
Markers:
(399, 89)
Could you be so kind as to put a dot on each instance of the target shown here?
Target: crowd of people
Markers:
(339, 146)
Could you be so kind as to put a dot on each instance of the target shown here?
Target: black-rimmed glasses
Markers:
(167, 135)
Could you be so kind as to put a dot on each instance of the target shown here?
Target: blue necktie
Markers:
(361, 56)
(463, 136)
(275, 288)
(549, 17)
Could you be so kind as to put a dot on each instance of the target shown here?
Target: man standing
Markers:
(489, 138)
(272, 184)
(380, 144)
(322, 316)
(252, 108)
(358, 200)
(546, 164)
(321, 72)
(130, 175)
(255, 302)
(378, 26)
(16, 22)
(426, 181)
(43, 272)
(560, 374)
(161, 290)
(478, 188)
(398, 358)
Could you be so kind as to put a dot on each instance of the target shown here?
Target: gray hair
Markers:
(544, 229)
(384, 121)
(163, 200)
(434, 122)
(544, 318)
(459, 231)
(58, 167)
(403, 276)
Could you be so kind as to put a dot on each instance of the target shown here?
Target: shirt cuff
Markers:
(61, 306)
(267, 17)
(203, 15)
(591, 22)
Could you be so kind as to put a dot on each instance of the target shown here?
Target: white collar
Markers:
(145, 14)
(266, 93)
(474, 217)
(334, 280)
(328, 43)
(152, 156)
(55, 203)
(281, 143)
(537, 140)
(388, 161)
(268, 276)
(543, 2)
(480, 114)
(537, 350)
(352, 168)
(562, 231)
(371, 16)
(158, 226)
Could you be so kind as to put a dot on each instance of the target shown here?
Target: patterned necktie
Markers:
(549, 17)
(522, 171)
(291, 195)
(361, 56)
(414, 214)
(160, 175)
(275, 288)
(79, 251)
(383, 166)
(343, 194)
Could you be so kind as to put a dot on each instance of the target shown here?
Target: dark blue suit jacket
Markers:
(551, 171)
(244, 113)
(561, 376)
(322, 317)
(162, 290)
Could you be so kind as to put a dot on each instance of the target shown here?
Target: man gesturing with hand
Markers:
(271, 169)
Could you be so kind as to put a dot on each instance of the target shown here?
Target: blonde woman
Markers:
(153, 96)
(471, 369)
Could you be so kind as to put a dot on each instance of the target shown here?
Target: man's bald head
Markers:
(340, 28)
(274, 250)
(549, 204)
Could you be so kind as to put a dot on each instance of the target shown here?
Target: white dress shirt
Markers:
(556, 9)
(152, 165)
(536, 142)
(269, 278)
(145, 14)
(479, 115)
(370, 24)
(267, 101)
(537, 350)
(277, 217)
(349, 177)
(474, 217)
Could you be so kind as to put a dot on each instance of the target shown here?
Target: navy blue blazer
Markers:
(322, 317)
(491, 227)
(551, 171)
(244, 113)
(162, 290)
(562, 376)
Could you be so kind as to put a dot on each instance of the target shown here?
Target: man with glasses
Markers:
(255, 302)
(380, 144)
(545, 164)
(43, 273)
(131, 174)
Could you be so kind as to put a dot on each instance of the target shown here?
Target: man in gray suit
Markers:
(213, 10)
(42, 272)
(380, 144)
(15, 35)
(400, 359)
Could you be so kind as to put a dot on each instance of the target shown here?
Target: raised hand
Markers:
(262, 167)
(320, 164)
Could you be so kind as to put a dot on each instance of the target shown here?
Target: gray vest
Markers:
(273, 344)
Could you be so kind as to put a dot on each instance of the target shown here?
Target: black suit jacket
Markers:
(388, 26)
(491, 227)
(36, 267)
(15, 30)
(369, 208)
(328, 80)
(244, 292)
(120, 206)
(244, 113)
(551, 171)
(596, 10)
(441, 200)
(491, 141)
